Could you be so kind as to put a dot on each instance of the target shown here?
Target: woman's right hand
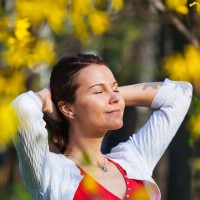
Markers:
(48, 106)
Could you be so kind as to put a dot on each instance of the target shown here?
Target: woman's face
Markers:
(99, 105)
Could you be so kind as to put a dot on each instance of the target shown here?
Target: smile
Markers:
(114, 112)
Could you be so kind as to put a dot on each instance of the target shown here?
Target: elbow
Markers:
(21, 104)
(18, 101)
(25, 106)
(186, 89)
(190, 87)
(189, 91)
(184, 95)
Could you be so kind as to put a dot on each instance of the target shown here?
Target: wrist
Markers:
(44, 95)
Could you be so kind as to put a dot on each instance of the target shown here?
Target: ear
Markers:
(67, 109)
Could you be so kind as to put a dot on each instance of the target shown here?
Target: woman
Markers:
(85, 96)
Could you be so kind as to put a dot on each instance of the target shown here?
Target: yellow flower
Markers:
(196, 163)
(56, 20)
(26, 56)
(176, 68)
(117, 4)
(58, 17)
(33, 10)
(194, 124)
(89, 17)
(19, 44)
(40, 11)
(184, 66)
(21, 29)
(192, 59)
(196, 3)
(42, 52)
(81, 7)
(78, 15)
(8, 125)
(24, 51)
(179, 6)
(84, 16)
(98, 22)
(17, 54)
(11, 86)
(4, 28)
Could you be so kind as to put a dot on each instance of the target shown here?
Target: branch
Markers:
(176, 22)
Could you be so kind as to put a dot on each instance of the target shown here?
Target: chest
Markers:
(112, 185)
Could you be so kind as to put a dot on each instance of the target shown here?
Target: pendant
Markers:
(104, 169)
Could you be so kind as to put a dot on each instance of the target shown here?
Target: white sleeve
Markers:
(32, 141)
(171, 103)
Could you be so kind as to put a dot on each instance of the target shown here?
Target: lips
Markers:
(117, 111)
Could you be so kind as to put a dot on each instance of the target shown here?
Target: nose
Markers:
(114, 98)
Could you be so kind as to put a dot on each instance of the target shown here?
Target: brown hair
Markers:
(63, 87)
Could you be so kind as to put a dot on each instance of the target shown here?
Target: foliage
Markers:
(179, 6)
(184, 66)
(16, 191)
(197, 4)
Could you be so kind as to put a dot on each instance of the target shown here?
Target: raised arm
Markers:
(32, 141)
(171, 103)
(139, 94)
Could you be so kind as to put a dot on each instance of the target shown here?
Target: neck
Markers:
(84, 149)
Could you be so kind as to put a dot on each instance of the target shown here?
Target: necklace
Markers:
(103, 168)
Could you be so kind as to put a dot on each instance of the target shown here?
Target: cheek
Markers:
(122, 104)
(90, 108)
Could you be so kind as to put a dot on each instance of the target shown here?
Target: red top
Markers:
(90, 189)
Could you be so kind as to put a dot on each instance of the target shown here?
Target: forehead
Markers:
(94, 74)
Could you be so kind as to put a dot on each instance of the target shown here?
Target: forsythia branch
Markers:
(176, 22)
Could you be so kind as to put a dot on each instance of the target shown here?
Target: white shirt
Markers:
(50, 176)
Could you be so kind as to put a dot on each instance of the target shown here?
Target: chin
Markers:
(117, 126)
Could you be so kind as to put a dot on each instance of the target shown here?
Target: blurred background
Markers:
(141, 40)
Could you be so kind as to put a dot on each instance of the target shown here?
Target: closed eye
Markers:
(115, 89)
(98, 92)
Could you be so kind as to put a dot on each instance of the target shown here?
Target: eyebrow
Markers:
(102, 84)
